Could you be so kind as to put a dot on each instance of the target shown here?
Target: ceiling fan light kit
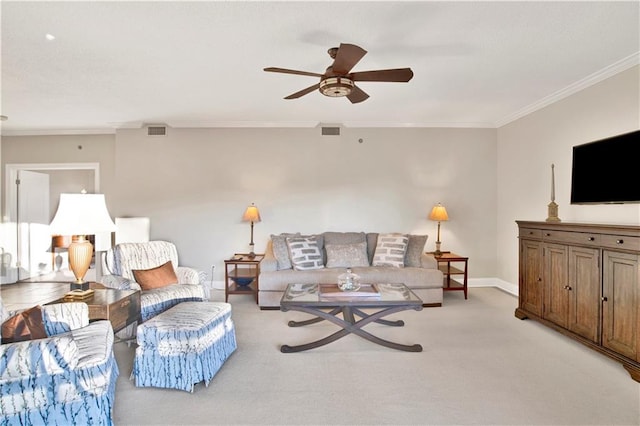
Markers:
(339, 81)
(336, 86)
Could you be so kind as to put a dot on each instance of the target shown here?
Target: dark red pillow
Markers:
(27, 325)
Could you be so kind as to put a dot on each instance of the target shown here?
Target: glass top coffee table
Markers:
(326, 302)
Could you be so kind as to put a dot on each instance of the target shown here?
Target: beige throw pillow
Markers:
(346, 255)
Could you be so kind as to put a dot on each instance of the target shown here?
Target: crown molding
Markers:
(609, 71)
(58, 132)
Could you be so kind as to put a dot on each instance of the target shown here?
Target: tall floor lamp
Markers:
(251, 214)
(80, 215)
(438, 213)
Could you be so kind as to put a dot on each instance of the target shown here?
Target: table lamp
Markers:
(438, 213)
(80, 215)
(251, 214)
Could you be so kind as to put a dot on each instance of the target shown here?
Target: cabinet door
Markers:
(584, 292)
(620, 326)
(531, 276)
(556, 280)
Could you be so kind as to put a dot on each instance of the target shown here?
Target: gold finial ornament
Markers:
(552, 208)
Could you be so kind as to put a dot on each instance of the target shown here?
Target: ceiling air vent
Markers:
(157, 131)
(331, 131)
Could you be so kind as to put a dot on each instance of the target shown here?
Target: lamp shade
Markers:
(82, 214)
(251, 214)
(439, 213)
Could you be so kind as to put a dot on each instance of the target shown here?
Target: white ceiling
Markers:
(199, 64)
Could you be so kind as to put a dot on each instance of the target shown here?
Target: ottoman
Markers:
(184, 345)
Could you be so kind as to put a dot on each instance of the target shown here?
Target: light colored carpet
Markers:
(480, 365)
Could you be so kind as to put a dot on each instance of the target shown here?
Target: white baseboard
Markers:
(493, 282)
(472, 282)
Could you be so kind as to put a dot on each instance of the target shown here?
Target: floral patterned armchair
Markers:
(66, 378)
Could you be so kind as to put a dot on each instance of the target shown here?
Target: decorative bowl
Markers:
(349, 281)
(242, 281)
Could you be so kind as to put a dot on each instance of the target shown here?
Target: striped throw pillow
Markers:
(390, 250)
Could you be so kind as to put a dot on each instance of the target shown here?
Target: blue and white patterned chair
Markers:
(67, 378)
(125, 257)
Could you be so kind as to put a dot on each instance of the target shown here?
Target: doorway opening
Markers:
(32, 191)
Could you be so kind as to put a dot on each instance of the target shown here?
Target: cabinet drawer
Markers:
(624, 242)
(530, 233)
(582, 238)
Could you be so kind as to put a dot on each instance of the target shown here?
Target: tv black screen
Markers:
(607, 171)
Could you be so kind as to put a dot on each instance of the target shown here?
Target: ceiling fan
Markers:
(338, 81)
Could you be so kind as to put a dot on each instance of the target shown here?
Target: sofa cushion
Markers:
(372, 241)
(281, 251)
(26, 325)
(344, 237)
(415, 248)
(390, 250)
(346, 255)
(305, 253)
(160, 276)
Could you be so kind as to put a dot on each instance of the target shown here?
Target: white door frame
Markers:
(11, 174)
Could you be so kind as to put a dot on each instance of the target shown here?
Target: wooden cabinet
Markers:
(584, 281)
(531, 276)
(620, 321)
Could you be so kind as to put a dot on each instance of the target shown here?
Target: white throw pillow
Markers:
(390, 250)
(304, 253)
(347, 255)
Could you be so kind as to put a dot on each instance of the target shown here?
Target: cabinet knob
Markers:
(547, 234)
(619, 241)
(604, 299)
(591, 239)
(539, 279)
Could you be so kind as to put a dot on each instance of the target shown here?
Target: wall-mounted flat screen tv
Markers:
(607, 171)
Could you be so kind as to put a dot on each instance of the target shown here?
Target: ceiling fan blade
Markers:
(401, 75)
(303, 91)
(286, 71)
(347, 57)
(357, 95)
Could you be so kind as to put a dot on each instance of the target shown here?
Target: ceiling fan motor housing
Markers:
(336, 86)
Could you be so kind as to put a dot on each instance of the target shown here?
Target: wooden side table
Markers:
(241, 275)
(444, 264)
(120, 307)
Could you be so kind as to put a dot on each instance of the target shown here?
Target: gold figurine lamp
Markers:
(251, 214)
(439, 214)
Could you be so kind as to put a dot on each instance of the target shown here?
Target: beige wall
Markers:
(196, 183)
(528, 147)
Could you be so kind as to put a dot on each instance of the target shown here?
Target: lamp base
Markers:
(79, 286)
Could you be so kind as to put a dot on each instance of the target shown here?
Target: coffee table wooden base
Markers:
(349, 325)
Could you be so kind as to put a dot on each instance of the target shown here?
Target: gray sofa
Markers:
(419, 272)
